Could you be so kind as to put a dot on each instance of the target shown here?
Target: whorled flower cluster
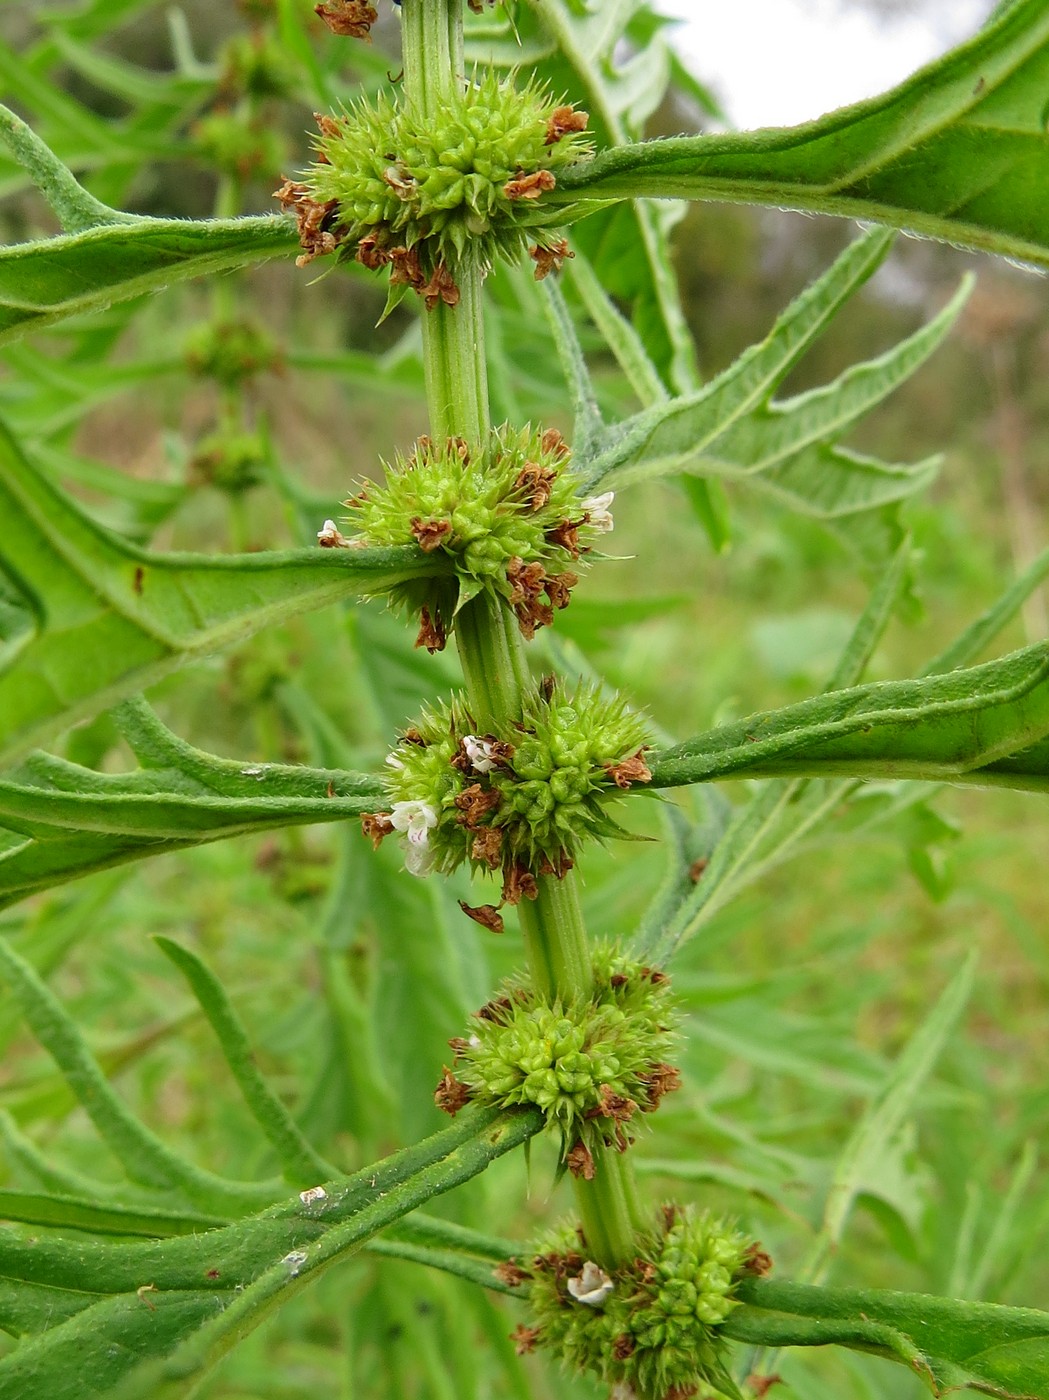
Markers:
(591, 1065)
(518, 801)
(425, 193)
(503, 513)
(651, 1326)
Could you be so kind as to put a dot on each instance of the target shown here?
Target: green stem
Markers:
(487, 635)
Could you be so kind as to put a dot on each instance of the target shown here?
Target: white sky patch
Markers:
(780, 62)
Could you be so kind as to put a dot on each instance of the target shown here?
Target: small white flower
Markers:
(416, 819)
(479, 752)
(331, 537)
(393, 761)
(315, 1193)
(597, 507)
(592, 1286)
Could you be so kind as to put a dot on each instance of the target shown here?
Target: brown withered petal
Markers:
(631, 770)
(612, 1105)
(350, 19)
(518, 884)
(328, 126)
(580, 1161)
(459, 1045)
(623, 1346)
(653, 975)
(315, 220)
(432, 633)
(566, 534)
(495, 1010)
(532, 616)
(488, 847)
(376, 825)
(562, 121)
(441, 287)
(451, 1094)
(559, 589)
(681, 1392)
(370, 255)
(551, 259)
(558, 867)
(487, 915)
(524, 1338)
(406, 268)
(661, 1080)
(511, 1273)
(536, 482)
(331, 537)
(412, 736)
(761, 1385)
(526, 581)
(530, 186)
(756, 1261)
(429, 534)
(461, 448)
(695, 870)
(475, 803)
(553, 442)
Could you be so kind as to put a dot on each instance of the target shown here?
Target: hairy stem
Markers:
(489, 641)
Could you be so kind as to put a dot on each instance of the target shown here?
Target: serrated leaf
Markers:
(988, 725)
(950, 1345)
(956, 152)
(107, 618)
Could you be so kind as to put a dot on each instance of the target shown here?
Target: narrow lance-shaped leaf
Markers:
(987, 725)
(102, 619)
(948, 1344)
(958, 152)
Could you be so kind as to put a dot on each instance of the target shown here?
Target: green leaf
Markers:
(956, 152)
(140, 1319)
(988, 725)
(949, 1344)
(48, 281)
(103, 619)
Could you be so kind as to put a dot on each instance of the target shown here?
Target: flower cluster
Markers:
(504, 513)
(651, 1325)
(519, 801)
(590, 1065)
(423, 193)
(231, 352)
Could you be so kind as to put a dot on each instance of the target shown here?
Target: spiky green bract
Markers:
(462, 185)
(655, 1329)
(590, 1064)
(521, 800)
(505, 513)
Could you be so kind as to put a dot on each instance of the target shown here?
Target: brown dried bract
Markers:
(551, 259)
(475, 803)
(518, 884)
(429, 534)
(612, 1105)
(350, 19)
(487, 915)
(488, 847)
(328, 127)
(432, 633)
(459, 1046)
(511, 1273)
(441, 287)
(756, 1261)
(376, 825)
(553, 442)
(530, 186)
(524, 1338)
(536, 482)
(661, 1079)
(559, 588)
(562, 121)
(631, 770)
(580, 1161)
(316, 233)
(451, 1094)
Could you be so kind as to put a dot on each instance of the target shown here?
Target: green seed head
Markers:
(591, 1064)
(424, 191)
(504, 514)
(652, 1325)
(520, 800)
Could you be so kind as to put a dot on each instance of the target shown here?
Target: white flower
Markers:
(592, 1286)
(329, 536)
(597, 507)
(479, 752)
(416, 819)
(393, 761)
